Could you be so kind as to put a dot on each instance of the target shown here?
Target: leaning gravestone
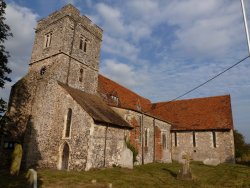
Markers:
(126, 160)
(185, 172)
(211, 162)
(16, 159)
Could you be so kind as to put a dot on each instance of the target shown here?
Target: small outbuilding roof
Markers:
(96, 107)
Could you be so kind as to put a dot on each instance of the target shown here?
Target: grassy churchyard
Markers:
(150, 175)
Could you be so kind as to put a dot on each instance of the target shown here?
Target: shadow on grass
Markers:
(20, 181)
(172, 173)
(247, 163)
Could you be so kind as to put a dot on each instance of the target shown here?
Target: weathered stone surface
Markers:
(126, 160)
(212, 162)
(204, 149)
(153, 150)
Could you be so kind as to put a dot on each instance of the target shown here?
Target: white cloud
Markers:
(112, 19)
(120, 47)
(123, 73)
(213, 29)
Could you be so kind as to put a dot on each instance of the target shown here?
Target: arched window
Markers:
(81, 75)
(164, 141)
(146, 138)
(68, 123)
(47, 40)
(214, 139)
(65, 157)
(83, 44)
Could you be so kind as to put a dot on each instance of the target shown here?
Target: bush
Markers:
(133, 149)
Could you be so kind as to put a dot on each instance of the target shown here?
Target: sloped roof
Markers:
(196, 114)
(126, 98)
(96, 107)
(190, 114)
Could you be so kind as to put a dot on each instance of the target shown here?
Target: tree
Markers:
(241, 147)
(4, 55)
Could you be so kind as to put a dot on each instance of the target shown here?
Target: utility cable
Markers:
(191, 90)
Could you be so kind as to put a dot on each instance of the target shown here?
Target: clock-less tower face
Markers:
(67, 48)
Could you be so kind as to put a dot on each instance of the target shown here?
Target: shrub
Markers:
(133, 149)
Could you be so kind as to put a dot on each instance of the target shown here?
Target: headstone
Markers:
(185, 172)
(126, 160)
(93, 181)
(32, 178)
(212, 162)
(16, 159)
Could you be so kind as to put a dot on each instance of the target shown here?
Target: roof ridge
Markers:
(124, 87)
(192, 99)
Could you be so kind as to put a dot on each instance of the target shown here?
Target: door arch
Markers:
(65, 157)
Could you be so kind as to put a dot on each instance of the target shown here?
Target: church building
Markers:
(69, 116)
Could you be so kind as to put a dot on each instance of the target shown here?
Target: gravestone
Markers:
(32, 178)
(211, 162)
(185, 172)
(126, 160)
(16, 159)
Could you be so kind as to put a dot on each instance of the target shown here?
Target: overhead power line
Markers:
(191, 90)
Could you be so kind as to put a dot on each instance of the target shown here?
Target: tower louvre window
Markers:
(47, 41)
(83, 44)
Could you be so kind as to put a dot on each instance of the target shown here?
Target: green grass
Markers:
(150, 175)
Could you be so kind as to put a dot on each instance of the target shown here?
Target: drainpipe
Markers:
(142, 139)
(105, 144)
(154, 139)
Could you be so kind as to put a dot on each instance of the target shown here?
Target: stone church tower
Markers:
(67, 49)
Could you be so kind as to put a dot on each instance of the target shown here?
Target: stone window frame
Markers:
(84, 43)
(194, 139)
(48, 39)
(214, 141)
(59, 163)
(82, 73)
(146, 137)
(164, 141)
(67, 124)
(43, 70)
(175, 139)
(115, 99)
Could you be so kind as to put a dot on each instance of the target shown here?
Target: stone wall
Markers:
(46, 138)
(63, 55)
(153, 149)
(105, 146)
(204, 147)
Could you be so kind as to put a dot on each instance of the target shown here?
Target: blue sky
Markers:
(158, 48)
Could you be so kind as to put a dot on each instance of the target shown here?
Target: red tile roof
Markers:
(190, 114)
(110, 90)
(196, 114)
